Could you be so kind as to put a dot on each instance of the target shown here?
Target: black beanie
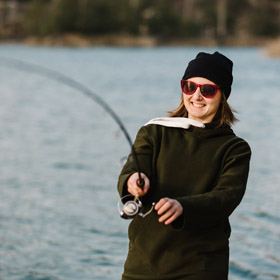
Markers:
(214, 67)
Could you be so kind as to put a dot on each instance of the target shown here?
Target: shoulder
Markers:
(150, 131)
(229, 135)
(223, 139)
(239, 140)
(158, 134)
(238, 145)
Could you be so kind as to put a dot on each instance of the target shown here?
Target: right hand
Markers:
(132, 186)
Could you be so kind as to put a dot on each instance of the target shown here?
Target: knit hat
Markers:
(214, 67)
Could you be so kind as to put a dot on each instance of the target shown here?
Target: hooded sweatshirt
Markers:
(206, 170)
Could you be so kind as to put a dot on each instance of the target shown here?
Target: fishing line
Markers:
(66, 80)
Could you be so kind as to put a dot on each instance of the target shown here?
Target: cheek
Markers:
(215, 106)
(215, 103)
(186, 99)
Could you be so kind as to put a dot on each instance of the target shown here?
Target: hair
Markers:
(224, 116)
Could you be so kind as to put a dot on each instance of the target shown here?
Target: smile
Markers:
(198, 105)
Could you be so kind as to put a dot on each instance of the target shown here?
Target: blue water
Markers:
(60, 152)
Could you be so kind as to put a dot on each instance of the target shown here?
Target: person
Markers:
(195, 169)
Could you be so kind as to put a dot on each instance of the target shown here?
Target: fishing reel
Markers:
(132, 207)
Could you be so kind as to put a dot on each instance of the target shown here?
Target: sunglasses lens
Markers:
(208, 91)
(188, 87)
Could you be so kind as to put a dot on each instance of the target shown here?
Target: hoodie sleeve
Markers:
(211, 208)
(144, 151)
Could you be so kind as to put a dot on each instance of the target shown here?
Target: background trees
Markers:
(164, 19)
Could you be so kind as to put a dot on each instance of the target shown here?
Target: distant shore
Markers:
(123, 40)
(271, 46)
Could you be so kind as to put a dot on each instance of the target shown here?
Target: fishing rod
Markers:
(131, 207)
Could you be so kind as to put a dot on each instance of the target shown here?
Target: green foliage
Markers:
(102, 16)
(162, 18)
(162, 21)
(191, 29)
(263, 20)
(64, 16)
(208, 13)
(37, 18)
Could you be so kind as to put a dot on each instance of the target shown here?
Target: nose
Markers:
(197, 94)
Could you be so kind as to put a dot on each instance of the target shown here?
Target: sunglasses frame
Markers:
(201, 89)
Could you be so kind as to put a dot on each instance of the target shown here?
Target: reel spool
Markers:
(132, 207)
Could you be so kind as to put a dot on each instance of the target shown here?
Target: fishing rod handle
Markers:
(140, 182)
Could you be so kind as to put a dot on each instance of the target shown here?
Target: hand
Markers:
(132, 186)
(169, 210)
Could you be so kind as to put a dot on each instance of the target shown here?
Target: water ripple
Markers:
(59, 159)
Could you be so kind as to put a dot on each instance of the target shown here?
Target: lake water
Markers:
(60, 153)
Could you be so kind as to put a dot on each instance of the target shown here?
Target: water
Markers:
(60, 158)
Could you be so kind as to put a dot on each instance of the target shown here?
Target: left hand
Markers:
(169, 210)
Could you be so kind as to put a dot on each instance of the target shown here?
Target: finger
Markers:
(143, 189)
(160, 203)
(172, 219)
(134, 190)
(171, 210)
(147, 185)
(166, 215)
(165, 207)
(140, 192)
(132, 185)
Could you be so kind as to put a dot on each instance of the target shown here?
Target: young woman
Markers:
(195, 168)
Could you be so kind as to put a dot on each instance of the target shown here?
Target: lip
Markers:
(197, 105)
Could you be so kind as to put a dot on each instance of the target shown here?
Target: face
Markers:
(200, 108)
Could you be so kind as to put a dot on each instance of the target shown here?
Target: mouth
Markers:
(197, 105)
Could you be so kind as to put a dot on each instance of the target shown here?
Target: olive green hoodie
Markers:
(206, 170)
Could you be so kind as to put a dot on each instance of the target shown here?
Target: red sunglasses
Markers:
(208, 91)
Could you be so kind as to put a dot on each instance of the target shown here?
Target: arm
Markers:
(144, 149)
(168, 209)
(211, 208)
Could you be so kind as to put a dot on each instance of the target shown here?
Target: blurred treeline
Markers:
(163, 19)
